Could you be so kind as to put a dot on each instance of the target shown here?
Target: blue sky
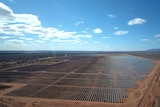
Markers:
(87, 25)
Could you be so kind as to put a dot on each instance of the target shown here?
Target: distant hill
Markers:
(154, 50)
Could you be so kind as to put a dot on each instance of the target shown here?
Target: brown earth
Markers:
(144, 95)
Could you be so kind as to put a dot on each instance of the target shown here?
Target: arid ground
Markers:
(80, 81)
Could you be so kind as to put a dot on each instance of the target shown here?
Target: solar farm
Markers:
(95, 78)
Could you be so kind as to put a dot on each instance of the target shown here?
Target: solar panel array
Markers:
(95, 79)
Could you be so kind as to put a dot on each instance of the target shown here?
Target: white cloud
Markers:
(12, 24)
(8, 17)
(136, 21)
(157, 36)
(25, 38)
(86, 42)
(106, 37)
(11, 29)
(48, 33)
(60, 25)
(116, 28)
(67, 40)
(4, 37)
(97, 30)
(120, 32)
(28, 19)
(16, 41)
(144, 40)
(74, 39)
(39, 41)
(5, 10)
(78, 23)
(86, 30)
(111, 16)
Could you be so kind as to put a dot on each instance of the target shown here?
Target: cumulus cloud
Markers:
(15, 24)
(28, 19)
(8, 17)
(136, 21)
(121, 32)
(5, 10)
(111, 16)
(12, 24)
(144, 40)
(97, 30)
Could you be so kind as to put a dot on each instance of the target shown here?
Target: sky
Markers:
(80, 25)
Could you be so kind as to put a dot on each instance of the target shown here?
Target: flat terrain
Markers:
(82, 81)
